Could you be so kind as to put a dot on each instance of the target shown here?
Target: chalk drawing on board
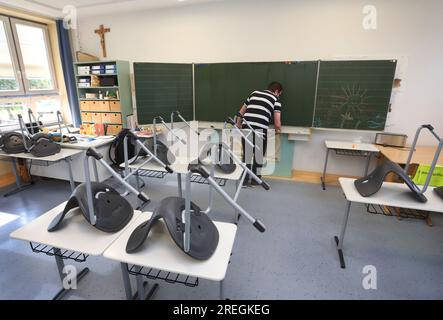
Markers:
(349, 104)
(377, 122)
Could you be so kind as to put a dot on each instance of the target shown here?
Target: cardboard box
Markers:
(96, 117)
(102, 105)
(115, 118)
(91, 95)
(115, 106)
(113, 129)
(93, 105)
(106, 118)
(86, 117)
(84, 106)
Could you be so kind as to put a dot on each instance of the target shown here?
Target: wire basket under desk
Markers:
(352, 153)
(169, 277)
(201, 180)
(194, 178)
(399, 212)
(62, 253)
(151, 174)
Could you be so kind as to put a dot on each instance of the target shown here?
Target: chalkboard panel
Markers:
(354, 94)
(161, 88)
(222, 88)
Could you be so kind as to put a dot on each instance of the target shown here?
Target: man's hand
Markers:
(277, 122)
(239, 120)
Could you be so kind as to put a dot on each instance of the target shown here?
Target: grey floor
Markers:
(294, 259)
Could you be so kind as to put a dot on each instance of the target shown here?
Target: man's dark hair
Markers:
(275, 86)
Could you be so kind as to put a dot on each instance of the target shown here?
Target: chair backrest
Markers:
(34, 127)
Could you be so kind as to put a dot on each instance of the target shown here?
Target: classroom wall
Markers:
(246, 30)
(5, 168)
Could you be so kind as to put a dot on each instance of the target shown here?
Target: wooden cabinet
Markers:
(115, 85)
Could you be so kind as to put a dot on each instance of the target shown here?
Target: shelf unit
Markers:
(111, 112)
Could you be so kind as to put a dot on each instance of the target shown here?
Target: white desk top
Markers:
(64, 153)
(348, 145)
(160, 252)
(76, 234)
(84, 145)
(393, 195)
(181, 166)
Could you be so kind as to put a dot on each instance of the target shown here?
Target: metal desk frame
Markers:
(349, 152)
(21, 187)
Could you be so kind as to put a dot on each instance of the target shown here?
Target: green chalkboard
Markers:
(222, 88)
(354, 94)
(161, 88)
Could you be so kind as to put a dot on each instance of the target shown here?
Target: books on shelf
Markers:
(97, 69)
(83, 70)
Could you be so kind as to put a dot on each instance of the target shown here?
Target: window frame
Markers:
(14, 58)
(24, 80)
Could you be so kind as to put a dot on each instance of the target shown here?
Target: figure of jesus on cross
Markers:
(101, 32)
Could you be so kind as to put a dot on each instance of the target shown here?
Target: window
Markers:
(26, 65)
(9, 82)
(34, 56)
(43, 107)
(9, 110)
(27, 78)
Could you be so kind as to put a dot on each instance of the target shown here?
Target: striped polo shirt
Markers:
(260, 108)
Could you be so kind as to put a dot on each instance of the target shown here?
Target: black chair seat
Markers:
(439, 191)
(12, 142)
(204, 234)
(371, 184)
(163, 152)
(43, 145)
(112, 211)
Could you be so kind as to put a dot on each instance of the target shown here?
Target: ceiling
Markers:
(54, 8)
(92, 7)
(59, 4)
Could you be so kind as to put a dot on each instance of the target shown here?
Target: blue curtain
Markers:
(68, 72)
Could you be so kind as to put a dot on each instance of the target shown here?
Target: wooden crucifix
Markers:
(101, 32)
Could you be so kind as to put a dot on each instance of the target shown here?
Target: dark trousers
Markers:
(253, 157)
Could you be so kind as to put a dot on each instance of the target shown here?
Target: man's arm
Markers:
(242, 111)
(277, 121)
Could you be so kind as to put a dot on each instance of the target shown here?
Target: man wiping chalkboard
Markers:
(259, 109)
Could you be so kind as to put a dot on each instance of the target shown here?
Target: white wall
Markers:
(244, 30)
